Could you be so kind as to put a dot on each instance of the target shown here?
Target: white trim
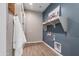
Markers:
(35, 42)
(53, 49)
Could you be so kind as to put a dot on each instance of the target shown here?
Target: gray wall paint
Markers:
(33, 26)
(72, 12)
(70, 41)
(48, 39)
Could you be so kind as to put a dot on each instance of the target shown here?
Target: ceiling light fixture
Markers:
(30, 3)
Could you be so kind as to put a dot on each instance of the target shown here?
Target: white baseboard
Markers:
(53, 49)
(35, 42)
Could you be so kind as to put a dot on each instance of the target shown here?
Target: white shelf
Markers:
(58, 19)
(52, 21)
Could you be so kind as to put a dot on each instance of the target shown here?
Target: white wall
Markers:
(19, 37)
(3, 17)
(19, 11)
(33, 26)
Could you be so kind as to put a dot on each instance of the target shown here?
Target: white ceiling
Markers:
(38, 7)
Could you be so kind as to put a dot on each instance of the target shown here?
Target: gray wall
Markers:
(33, 26)
(69, 41)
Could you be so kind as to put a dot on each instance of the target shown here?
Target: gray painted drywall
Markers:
(48, 39)
(3, 19)
(69, 41)
(72, 12)
(33, 26)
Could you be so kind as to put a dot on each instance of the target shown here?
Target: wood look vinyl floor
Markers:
(37, 49)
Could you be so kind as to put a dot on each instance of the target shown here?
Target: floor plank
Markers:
(37, 49)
